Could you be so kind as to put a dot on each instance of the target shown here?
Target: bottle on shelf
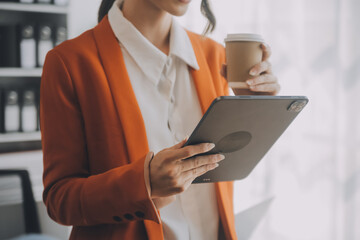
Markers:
(61, 35)
(45, 43)
(29, 112)
(11, 111)
(27, 47)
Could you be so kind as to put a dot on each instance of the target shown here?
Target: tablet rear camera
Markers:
(297, 106)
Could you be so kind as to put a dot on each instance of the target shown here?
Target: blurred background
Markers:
(312, 172)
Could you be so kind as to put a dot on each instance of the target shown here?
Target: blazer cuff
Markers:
(147, 161)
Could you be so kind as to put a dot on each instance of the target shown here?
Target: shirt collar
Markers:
(181, 46)
(149, 58)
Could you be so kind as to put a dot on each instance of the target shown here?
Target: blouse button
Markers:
(168, 61)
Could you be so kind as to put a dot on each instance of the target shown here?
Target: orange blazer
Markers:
(94, 139)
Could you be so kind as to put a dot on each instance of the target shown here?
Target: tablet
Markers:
(243, 128)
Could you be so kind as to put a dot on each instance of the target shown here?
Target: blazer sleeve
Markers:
(72, 195)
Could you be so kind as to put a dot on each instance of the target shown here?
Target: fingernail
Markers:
(252, 72)
(216, 165)
(211, 146)
(222, 157)
(249, 82)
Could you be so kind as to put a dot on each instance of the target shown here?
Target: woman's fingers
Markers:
(261, 68)
(169, 172)
(189, 151)
(196, 172)
(264, 78)
(272, 88)
(266, 51)
(199, 161)
(264, 83)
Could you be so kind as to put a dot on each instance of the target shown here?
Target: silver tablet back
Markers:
(243, 128)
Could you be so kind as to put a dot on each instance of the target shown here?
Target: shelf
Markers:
(19, 137)
(33, 7)
(20, 72)
(15, 142)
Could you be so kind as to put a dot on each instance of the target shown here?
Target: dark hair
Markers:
(104, 8)
(205, 10)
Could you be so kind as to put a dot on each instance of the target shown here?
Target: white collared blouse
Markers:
(169, 104)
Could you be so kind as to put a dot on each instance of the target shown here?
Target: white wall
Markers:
(82, 16)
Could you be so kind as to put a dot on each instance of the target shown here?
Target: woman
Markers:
(136, 85)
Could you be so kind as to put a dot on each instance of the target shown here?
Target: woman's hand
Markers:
(173, 169)
(263, 81)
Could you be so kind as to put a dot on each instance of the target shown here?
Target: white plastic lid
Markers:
(246, 37)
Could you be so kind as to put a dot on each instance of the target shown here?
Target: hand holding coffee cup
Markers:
(248, 70)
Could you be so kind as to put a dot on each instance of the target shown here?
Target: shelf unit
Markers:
(21, 13)
(14, 142)
(15, 137)
(20, 72)
(33, 7)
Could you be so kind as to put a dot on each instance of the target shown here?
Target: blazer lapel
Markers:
(206, 94)
(125, 101)
(123, 95)
(202, 77)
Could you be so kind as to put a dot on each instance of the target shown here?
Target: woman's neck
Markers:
(151, 21)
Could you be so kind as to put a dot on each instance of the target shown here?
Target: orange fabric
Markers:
(94, 138)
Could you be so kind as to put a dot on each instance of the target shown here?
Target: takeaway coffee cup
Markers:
(243, 51)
